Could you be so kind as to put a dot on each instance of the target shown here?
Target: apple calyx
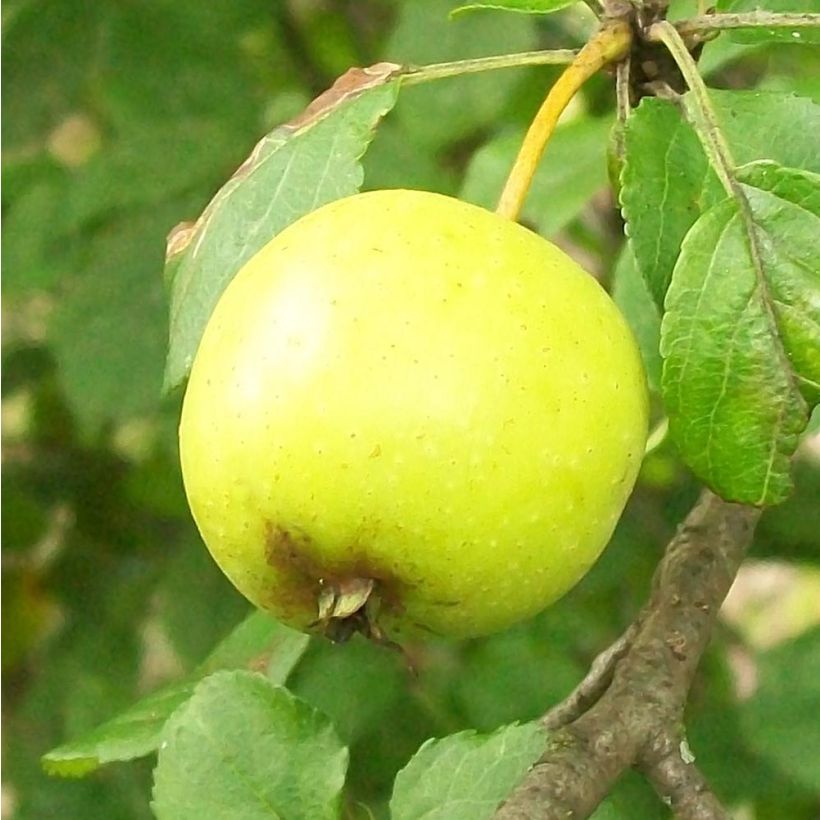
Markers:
(347, 598)
(348, 606)
(343, 608)
(344, 598)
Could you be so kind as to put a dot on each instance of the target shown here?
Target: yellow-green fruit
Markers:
(406, 392)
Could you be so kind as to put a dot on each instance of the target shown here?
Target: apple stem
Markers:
(612, 42)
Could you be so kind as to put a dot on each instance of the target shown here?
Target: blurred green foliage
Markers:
(121, 120)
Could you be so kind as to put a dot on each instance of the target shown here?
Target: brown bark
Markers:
(629, 709)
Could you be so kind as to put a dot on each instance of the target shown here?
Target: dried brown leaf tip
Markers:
(352, 83)
(179, 238)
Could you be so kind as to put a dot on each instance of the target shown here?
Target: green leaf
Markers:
(573, 169)
(465, 776)
(720, 53)
(741, 336)
(132, 734)
(630, 292)
(799, 35)
(667, 182)
(526, 6)
(778, 721)
(246, 749)
(259, 642)
(293, 170)
(792, 70)
(662, 181)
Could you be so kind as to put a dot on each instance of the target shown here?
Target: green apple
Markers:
(408, 414)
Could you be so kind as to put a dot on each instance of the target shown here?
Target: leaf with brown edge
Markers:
(297, 167)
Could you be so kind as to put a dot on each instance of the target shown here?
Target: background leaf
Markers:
(790, 72)
(29, 261)
(631, 799)
(195, 617)
(521, 667)
(774, 719)
(111, 320)
(153, 165)
(243, 748)
(132, 734)
(740, 336)
(356, 684)
(54, 87)
(465, 776)
(437, 115)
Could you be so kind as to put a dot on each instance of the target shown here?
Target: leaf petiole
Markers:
(751, 19)
(700, 112)
(412, 75)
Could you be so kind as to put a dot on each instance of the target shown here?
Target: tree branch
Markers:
(633, 720)
(594, 684)
(670, 767)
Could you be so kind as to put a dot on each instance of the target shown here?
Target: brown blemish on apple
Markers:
(303, 578)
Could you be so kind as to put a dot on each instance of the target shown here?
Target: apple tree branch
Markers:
(628, 711)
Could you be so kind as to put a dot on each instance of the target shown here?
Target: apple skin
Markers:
(407, 389)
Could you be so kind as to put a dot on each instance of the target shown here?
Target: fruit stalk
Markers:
(611, 43)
